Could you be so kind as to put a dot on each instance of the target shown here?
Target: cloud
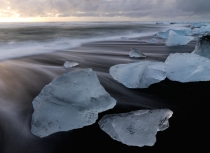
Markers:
(198, 7)
(106, 8)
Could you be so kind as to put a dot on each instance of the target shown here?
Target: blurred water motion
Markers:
(21, 80)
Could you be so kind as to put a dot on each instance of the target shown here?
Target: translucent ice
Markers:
(69, 64)
(165, 34)
(175, 39)
(138, 75)
(197, 25)
(187, 67)
(137, 128)
(136, 53)
(202, 47)
(205, 28)
(70, 101)
(196, 31)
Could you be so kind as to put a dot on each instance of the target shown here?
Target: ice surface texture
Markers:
(197, 29)
(175, 39)
(197, 25)
(70, 101)
(137, 128)
(136, 53)
(165, 34)
(138, 75)
(69, 64)
(205, 29)
(202, 47)
(187, 67)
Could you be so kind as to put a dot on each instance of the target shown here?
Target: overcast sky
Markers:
(189, 10)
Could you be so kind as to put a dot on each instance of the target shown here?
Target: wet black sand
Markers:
(22, 79)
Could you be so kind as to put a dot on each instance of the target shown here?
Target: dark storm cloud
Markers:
(195, 6)
(107, 8)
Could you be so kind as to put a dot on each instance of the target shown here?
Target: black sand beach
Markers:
(22, 79)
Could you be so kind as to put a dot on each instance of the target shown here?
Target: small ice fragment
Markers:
(69, 64)
(137, 128)
(136, 53)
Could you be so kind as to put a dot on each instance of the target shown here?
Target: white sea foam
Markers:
(14, 49)
(25, 39)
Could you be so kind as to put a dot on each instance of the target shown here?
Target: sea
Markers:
(23, 39)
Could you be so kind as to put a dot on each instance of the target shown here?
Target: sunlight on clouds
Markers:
(71, 19)
(102, 10)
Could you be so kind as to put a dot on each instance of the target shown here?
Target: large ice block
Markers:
(140, 74)
(175, 39)
(187, 67)
(137, 128)
(69, 102)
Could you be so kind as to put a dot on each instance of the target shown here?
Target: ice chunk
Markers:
(175, 39)
(187, 67)
(162, 34)
(205, 28)
(202, 47)
(196, 31)
(197, 25)
(152, 41)
(165, 34)
(69, 64)
(136, 53)
(138, 75)
(137, 128)
(70, 101)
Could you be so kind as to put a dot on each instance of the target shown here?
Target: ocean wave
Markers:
(40, 38)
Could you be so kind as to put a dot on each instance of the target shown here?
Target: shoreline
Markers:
(25, 77)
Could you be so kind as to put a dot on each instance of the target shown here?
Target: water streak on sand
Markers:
(22, 79)
(17, 40)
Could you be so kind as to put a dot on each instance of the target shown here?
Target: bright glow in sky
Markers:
(103, 10)
(65, 19)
